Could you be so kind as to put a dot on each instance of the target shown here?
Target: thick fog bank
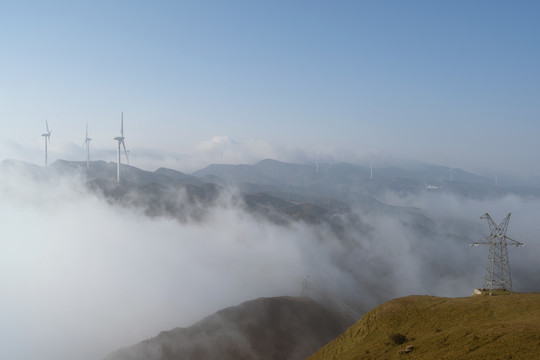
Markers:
(82, 276)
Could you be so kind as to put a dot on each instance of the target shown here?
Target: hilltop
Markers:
(265, 328)
(505, 326)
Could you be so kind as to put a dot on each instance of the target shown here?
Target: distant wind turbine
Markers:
(121, 141)
(371, 170)
(451, 174)
(87, 143)
(317, 165)
(47, 137)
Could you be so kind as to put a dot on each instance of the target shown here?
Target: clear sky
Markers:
(455, 83)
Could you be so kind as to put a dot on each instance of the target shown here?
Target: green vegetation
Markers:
(397, 338)
(503, 326)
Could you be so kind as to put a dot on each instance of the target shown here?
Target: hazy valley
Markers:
(164, 249)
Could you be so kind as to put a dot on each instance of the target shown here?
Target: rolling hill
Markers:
(504, 326)
(283, 328)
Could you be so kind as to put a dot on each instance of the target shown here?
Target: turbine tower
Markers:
(87, 143)
(121, 142)
(497, 266)
(47, 137)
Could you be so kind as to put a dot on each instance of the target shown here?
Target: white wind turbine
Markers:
(120, 140)
(87, 143)
(47, 137)
(451, 174)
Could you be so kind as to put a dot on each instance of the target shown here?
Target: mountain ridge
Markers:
(286, 328)
(340, 182)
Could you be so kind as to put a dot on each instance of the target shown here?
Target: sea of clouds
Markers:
(81, 277)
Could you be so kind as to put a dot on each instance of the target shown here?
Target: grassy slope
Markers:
(504, 326)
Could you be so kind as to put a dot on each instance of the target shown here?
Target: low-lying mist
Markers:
(82, 276)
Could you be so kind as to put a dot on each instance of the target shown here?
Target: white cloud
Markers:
(217, 143)
(82, 277)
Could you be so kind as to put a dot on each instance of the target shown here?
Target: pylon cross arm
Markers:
(514, 242)
(476, 243)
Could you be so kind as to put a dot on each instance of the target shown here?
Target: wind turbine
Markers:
(120, 140)
(451, 174)
(47, 137)
(317, 165)
(371, 170)
(87, 143)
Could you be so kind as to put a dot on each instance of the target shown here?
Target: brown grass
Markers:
(504, 326)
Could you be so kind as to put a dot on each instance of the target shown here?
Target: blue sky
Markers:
(455, 83)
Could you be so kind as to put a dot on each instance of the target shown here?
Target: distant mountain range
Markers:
(276, 190)
(346, 182)
(326, 184)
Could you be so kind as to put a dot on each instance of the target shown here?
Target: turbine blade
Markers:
(47, 126)
(125, 150)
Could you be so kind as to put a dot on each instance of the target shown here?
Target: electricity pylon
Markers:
(305, 287)
(497, 266)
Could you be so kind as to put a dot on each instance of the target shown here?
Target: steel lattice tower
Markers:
(497, 266)
(305, 287)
